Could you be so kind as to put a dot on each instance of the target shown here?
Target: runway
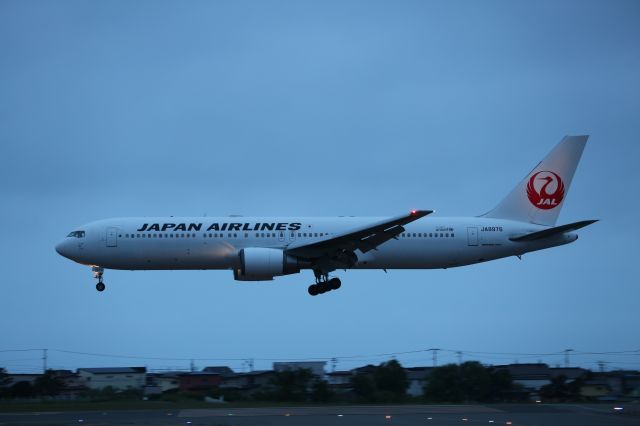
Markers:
(397, 415)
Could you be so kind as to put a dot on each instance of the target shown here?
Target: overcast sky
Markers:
(150, 108)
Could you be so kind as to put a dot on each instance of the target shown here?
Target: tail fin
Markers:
(539, 197)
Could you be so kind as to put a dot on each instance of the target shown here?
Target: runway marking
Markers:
(338, 410)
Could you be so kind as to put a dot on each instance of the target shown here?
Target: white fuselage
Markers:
(215, 242)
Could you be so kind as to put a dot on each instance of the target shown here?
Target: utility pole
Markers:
(251, 365)
(601, 366)
(566, 357)
(434, 355)
(334, 363)
(44, 361)
(192, 366)
(459, 353)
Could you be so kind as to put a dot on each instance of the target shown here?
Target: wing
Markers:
(364, 238)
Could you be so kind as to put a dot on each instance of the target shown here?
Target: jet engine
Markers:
(262, 264)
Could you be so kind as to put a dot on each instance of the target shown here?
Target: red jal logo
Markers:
(545, 190)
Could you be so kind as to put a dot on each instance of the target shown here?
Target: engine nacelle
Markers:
(262, 264)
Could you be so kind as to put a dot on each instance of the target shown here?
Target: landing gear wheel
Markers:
(97, 273)
(334, 283)
(313, 290)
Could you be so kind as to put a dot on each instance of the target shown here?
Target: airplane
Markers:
(261, 248)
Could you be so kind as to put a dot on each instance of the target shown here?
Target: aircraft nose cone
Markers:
(62, 249)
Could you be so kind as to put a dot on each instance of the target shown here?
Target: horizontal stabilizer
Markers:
(553, 231)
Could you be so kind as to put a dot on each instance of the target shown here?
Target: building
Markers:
(162, 382)
(74, 385)
(595, 389)
(340, 381)
(530, 376)
(569, 373)
(17, 378)
(316, 367)
(198, 381)
(221, 370)
(418, 377)
(119, 378)
(249, 383)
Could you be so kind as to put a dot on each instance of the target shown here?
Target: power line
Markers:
(345, 358)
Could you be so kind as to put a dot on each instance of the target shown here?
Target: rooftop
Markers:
(114, 370)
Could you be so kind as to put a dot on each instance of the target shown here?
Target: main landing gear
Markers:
(97, 273)
(324, 284)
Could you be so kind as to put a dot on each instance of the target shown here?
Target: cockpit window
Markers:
(76, 234)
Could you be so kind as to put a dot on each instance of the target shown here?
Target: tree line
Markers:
(385, 383)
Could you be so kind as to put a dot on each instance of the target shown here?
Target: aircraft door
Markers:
(472, 235)
(112, 237)
(292, 236)
(281, 235)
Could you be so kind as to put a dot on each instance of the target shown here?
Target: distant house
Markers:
(221, 370)
(249, 383)
(530, 376)
(611, 385)
(340, 381)
(368, 369)
(418, 377)
(17, 378)
(569, 373)
(198, 381)
(316, 367)
(162, 382)
(74, 385)
(632, 384)
(120, 378)
(595, 389)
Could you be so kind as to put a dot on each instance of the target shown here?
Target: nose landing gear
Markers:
(97, 273)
